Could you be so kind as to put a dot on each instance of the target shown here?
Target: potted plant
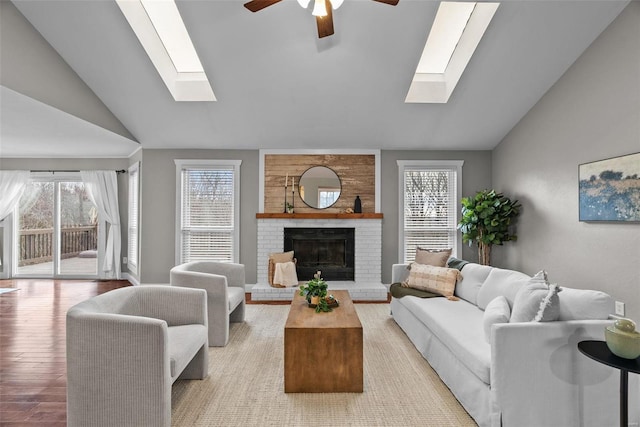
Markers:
(315, 291)
(486, 220)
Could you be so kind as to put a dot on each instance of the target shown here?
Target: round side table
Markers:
(598, 351)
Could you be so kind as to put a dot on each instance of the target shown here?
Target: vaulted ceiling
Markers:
(278, 86)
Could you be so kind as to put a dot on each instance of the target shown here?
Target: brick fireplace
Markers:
(367, 268)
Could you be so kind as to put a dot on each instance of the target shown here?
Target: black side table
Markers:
(598, 351)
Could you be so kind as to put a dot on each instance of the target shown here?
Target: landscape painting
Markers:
(610, 189)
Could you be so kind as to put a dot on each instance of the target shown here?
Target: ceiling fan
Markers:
(321, 10)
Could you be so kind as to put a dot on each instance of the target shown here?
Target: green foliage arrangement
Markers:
(316, 287)
(486, 220)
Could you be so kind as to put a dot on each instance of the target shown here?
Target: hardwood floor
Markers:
(32, 347)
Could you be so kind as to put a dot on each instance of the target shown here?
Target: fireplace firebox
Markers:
(330, 250)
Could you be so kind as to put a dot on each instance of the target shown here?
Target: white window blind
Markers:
(134, 214)
(209, 213)
(429, 204)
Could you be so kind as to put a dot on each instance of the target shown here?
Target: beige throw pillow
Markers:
(278, 257)
(436, 257)
(439, 280)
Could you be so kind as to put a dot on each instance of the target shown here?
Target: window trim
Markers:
(454, 165)
(132, 264)
(182, 164)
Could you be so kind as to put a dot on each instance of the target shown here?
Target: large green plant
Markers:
(486, 220)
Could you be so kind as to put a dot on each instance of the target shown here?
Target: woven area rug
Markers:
(245, 386)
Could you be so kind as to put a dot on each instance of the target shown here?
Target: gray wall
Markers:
(32, 67)
(158, 216)
(476, 175)
(159, 199)
(591, 113)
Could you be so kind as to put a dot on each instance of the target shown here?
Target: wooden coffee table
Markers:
(323, 351)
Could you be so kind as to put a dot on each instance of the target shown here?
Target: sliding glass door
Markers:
(56, 231)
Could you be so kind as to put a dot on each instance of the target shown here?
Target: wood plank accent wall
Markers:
(356, 172)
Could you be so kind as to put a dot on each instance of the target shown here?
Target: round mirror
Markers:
(319, 187)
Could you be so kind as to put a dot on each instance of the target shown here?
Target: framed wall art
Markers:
(609, 190)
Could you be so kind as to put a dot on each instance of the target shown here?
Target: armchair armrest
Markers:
(539, 377)
(122, 359)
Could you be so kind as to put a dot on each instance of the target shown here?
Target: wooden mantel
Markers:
(319, 215)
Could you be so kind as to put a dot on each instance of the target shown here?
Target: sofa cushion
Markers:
(236, 296)
(473, 276)
(537, 301)
(458, 325)
(184, 343)
(437, 257)
(581, 304)
(501, 282)
(439, 280)
(497, 311)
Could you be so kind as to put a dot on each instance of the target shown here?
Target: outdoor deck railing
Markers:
(36, 246)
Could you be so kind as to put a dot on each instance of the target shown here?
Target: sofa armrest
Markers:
(399, 273)
(175, 305)
(539, 377)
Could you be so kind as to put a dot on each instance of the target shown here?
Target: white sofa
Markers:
(527, 374)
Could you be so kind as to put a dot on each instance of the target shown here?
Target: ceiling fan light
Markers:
(319, 8)
(304, 3)
(335, 3)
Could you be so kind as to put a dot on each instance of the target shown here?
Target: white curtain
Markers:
(12, 185)
(102, 187)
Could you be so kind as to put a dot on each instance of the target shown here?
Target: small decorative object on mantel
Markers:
(315, 291)
(289, 207)
(286, 205)
(622, 339)
(357, 205)
(348, 211)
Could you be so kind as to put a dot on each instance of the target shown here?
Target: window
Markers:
(429, 194)
(134, 214)
(208, 210)
(328, 196)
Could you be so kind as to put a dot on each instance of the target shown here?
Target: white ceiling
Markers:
(279, 86)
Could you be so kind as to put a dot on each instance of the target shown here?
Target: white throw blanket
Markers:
(285, 274)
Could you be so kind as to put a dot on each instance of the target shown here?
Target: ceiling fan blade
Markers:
(325, 23)
(256, 5)
(390, 2)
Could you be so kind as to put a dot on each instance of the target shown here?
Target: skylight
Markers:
(456, 32)
(163, 35)
(168, 24)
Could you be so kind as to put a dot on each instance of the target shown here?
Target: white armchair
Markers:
(225, 286)
(124, 350)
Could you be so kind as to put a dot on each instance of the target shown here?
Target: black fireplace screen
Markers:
(330, 250)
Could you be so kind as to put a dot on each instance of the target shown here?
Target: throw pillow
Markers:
(537, 301)
(437, 257)
(497, 311)
(281, 257)
(439, 280)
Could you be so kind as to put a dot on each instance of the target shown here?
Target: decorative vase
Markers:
(315, 300)
(357, 205)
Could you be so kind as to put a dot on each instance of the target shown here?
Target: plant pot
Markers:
(315, 300)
